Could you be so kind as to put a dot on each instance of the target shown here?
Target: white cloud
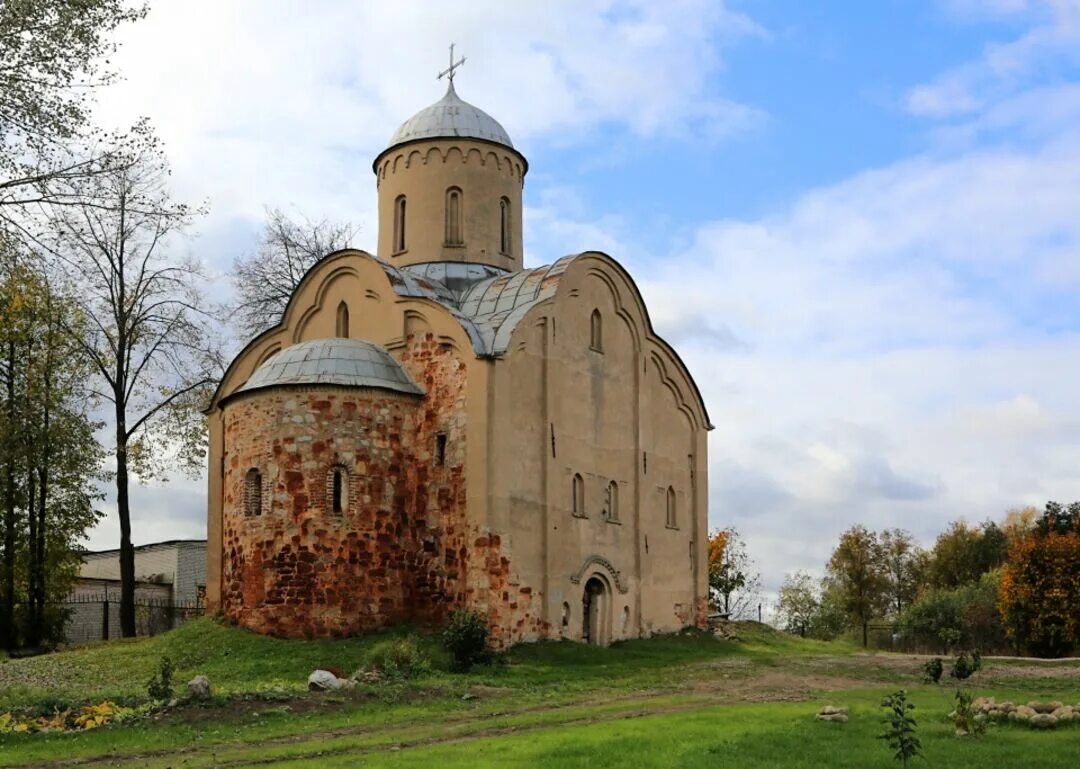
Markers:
(1003, 68)
(910, 347)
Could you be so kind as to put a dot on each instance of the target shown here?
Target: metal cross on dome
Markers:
(449, 71)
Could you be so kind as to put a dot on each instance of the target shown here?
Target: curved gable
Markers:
(630, 308)
(382, 284)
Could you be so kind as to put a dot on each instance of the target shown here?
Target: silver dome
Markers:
(450, 117)
(346, 362)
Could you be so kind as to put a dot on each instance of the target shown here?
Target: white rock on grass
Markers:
(832, 713)
(324, 681)
(199, 688)
(1043, 721)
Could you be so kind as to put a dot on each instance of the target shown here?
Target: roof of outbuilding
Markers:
(450, 117)
(346, 362)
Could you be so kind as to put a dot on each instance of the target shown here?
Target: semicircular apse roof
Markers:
(336, 361)
(450, 117)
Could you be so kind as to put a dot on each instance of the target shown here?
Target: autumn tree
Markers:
(855, 570)
(733, 582)
(904, 564)
(1039, 596)
(265, 279)
(151, 335)
(53, 53)
(798, 602)
(1019, 521)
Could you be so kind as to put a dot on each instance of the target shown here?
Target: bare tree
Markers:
(53, 53)
(151, 338)
(265, 279)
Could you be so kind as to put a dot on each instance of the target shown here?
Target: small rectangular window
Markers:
(440, 449)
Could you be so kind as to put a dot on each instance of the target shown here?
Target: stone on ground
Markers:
(199, 688)
(324, 681)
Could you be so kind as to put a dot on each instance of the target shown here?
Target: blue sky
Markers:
(859, 222)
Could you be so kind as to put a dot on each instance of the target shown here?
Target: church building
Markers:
(437, 426)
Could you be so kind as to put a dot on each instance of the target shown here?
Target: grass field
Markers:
(673, 701)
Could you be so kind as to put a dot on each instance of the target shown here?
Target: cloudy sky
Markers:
(859, 224)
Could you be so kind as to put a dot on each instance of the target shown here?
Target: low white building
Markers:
(170, 587)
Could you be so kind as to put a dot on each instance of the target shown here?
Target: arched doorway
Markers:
(595, 612)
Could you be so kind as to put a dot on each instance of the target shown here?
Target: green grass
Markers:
(684, 700)
(235, 660)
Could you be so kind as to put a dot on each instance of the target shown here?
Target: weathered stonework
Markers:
(398, 551)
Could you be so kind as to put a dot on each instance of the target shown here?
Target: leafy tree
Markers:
(266, 279)
(1039, 597)
(49, 459)
(1059, 519)
(1018, 522)
(964, 617)
(150, 332)
(904, 564)
(855, 571)
(964, 553)
(797, 602)
(733, 583)
(831, 618)
(52, 54)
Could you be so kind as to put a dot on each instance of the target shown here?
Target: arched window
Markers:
(253, 492)
(339, 489)
(343, 320)
(504, 226)
(453, 217)
(611, 507)
(596, 332)
(399, 224)
(579, 494)
(672, 519)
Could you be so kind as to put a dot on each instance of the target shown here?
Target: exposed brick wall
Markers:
(402, 548)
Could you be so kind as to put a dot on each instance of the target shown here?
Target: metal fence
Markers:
(97, 617)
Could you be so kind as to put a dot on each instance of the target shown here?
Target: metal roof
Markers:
(449, 117)
(346, 362)
(496, 305)
(455, 277)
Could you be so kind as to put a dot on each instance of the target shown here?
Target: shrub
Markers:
(900, 733)
(965, 666)
(465, 638)
(398, 658)
(932, 670)
(966, 616)
(160, 686)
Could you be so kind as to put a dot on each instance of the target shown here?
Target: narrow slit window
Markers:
(504, 226)
(339, 490)
(253, 492)
(399, 224)
(343, 320)
(578, 490)
(453, 217)
(596, 332)
(672, 519)
(440, 449)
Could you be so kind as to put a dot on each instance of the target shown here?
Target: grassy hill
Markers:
(686, 700)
